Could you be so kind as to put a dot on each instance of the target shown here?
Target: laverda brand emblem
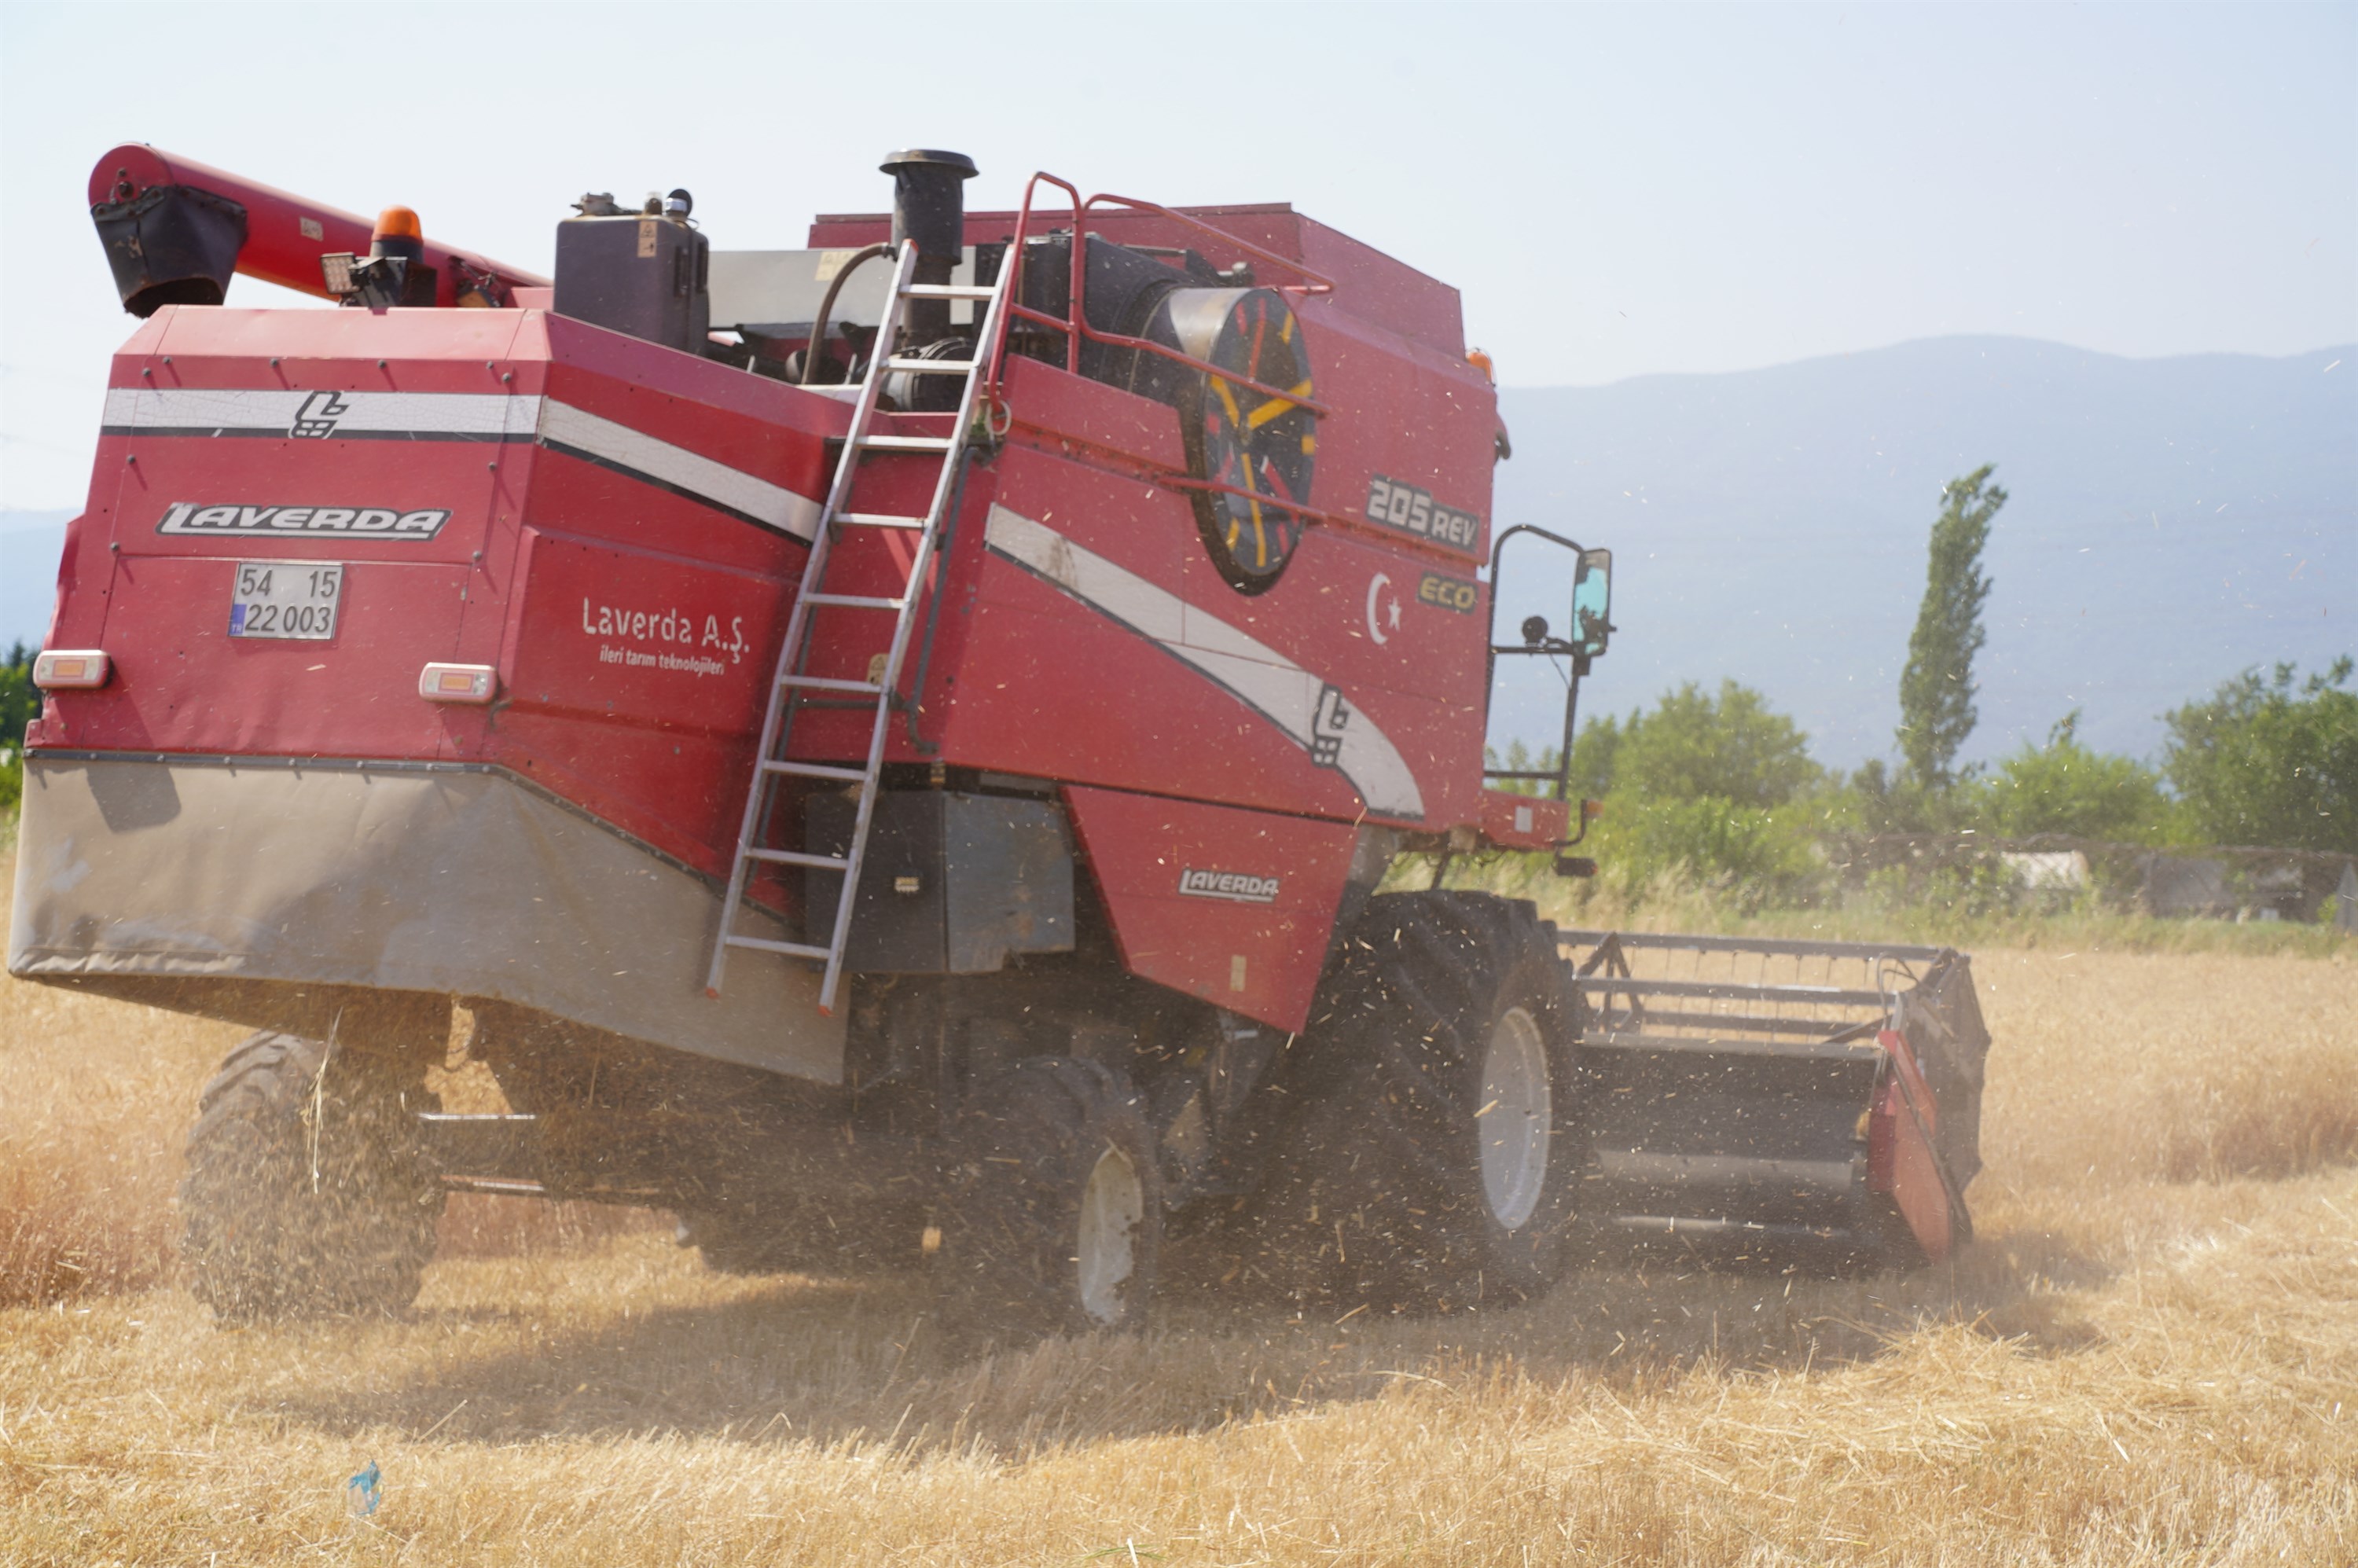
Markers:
(1328, 723)
(1236, 887)
(317, 419)
(1405, 509)
(378, 522)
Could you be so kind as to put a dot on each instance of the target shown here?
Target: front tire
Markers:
(307, 1189)
(1437, 1161)
(1053, 1222)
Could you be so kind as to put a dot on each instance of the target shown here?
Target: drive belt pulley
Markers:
(1259, 447)
(1253, 451)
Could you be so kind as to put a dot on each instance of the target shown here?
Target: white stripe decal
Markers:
(773, 504)
(485, 416)
(1297, 700)
(452, 416)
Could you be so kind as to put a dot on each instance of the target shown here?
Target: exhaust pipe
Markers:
(929, 206)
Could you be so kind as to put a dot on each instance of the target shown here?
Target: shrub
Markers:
(2258, 762)
(2064, 787)
(1757, 854)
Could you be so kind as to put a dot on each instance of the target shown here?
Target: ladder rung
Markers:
(814, 770)
(905, 443)
(948, 291)
(854, 601)
(934, 367)
(797, 857)
(878, 520)
(791, 949)
(829, 682)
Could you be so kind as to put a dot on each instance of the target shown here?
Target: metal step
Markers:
(813, 771)
(878, 520)
(798, 857)
(905, 443)
(854, 601)
(949, 291)
(828, 682)
(764, 945)
(933, 367)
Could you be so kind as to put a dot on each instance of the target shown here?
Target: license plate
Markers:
(285, 599)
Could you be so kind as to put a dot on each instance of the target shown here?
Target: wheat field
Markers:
(2150, 1356)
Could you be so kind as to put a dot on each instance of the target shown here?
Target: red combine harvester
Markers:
(894, 746)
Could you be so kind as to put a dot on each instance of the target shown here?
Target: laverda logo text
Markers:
(675, 627)
(379, 522)
(1238, 887)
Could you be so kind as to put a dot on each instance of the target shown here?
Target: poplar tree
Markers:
(1936, 689)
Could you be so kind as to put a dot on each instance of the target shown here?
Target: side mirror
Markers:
(1592, 603)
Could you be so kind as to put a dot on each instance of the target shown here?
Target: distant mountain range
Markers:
(30, 543)
(2172, 522)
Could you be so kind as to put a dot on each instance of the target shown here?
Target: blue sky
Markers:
(1616, 191)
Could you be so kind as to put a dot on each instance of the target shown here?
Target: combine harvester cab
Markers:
(894, 745)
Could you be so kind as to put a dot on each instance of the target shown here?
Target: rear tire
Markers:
(308, 1190)
(1437, 1163)
(1053, 1220)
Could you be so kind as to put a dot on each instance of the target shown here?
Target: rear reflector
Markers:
(458, 683)
(77, 670)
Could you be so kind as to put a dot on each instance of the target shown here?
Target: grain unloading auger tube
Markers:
(1020, 643)
(1757, 1095)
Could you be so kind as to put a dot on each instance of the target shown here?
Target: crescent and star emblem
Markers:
(1383, 615)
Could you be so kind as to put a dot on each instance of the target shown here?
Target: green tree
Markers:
(1730, 746)
(1704, 784)
(1757, 851)
(1936, 689)
(1592, 757)
(2065, 788)
(18, 703)
(2261, 762)
(1874, 800)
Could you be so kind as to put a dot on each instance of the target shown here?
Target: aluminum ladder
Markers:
(794, 685)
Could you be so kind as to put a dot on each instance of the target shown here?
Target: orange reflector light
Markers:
(458, 683)
(396, 222)
(74, 670)
(1481, 361)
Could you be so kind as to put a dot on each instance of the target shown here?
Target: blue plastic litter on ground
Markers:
(361, 1491)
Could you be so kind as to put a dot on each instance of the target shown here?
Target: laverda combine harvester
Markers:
(894, 746)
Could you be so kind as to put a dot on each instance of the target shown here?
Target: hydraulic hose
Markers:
(827, 308)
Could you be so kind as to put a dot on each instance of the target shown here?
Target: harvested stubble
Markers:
(2132, 1367)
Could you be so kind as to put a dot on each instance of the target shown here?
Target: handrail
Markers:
(1075, 324)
